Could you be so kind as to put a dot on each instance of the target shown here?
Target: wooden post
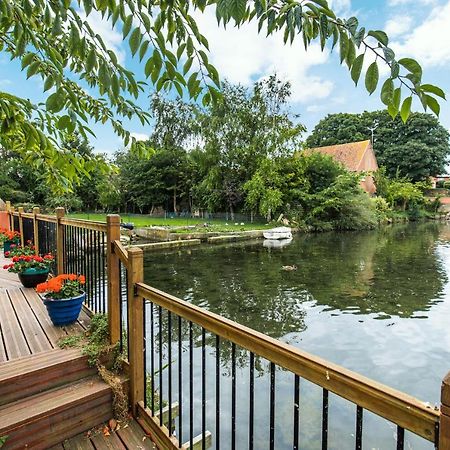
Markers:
(59, 241)
(135, 327)
(20, 210)
(112, 264)
(12, 218)
(444, 424)
(36, 211)
(8, 210)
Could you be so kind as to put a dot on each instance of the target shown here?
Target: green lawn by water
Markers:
(147, 221)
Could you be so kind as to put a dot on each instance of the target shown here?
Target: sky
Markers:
(320, 85)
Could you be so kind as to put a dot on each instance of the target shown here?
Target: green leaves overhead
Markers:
(54, 42)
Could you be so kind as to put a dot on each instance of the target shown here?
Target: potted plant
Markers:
(32, 269)
(9, 238)
(63, 297)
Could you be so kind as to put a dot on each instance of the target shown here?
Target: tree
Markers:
(54, 41)
(238, 132)
(416, 149)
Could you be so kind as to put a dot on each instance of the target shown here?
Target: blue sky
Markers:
(417, 28)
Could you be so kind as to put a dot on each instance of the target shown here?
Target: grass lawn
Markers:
(147, 221)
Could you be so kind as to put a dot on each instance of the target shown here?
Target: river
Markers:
(376, 302)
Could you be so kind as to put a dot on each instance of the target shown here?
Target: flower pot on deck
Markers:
(64, 311)
(31, 277)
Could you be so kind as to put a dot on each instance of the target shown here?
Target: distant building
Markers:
(439, 179)
(355, 157)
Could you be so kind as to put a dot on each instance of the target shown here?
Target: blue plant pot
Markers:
(64, 311)
(31, 277)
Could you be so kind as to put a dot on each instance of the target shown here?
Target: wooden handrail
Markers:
(46, 218)
(398, 407)
(83, 223)
(121, 252)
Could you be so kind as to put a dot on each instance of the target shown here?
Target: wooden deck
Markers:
(25, 328)
(128, 437)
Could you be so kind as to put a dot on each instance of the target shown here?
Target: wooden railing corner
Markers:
(21, 211)
(444, 423)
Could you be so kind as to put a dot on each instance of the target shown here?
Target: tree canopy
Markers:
(416, 149)
(53, 41)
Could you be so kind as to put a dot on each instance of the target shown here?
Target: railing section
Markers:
(178, 353)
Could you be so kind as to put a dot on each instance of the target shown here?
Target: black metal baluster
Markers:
(103, 272)
(90, 252)
(272, 407)
(160, 368)
(203, 390)
(296, 410)
(169, 357)
(400, 438)
(121, 307)
(217, 392)
(251, 414)
(145, 351)
(152, 361)
(233, 396)
(325, 420)
(180, 382)
(191, 388)
(93, 257)
(359, 426)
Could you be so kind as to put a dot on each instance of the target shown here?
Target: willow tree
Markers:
(54, 42)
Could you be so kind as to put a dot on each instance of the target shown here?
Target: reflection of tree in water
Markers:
(393, 270)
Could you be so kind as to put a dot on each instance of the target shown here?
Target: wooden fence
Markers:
(124, 267)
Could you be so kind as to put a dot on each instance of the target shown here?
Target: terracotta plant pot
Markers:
(30, 278)
(64, 311)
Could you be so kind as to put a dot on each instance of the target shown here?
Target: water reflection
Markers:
(375, 302)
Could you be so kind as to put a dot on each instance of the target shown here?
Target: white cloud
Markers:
(340, 7)
(242, 55)
(140, 136)
(411, 2)
(398, 25)
(111, 37)
(429, 42)
(5, 82)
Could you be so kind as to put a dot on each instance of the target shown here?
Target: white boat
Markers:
(278, 233)
(276, 243)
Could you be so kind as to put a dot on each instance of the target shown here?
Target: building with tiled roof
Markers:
(355, 157)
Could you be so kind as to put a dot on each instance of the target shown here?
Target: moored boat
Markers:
(278, 233)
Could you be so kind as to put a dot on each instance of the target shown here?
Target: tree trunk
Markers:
(174, 199)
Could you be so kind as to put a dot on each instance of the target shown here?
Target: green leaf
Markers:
(49, 83)
(395, 69)
(33, 68)
(55, 102)
(380, 36)
(91, 60)
(187, 65)
(27, 59)
(143, 50)
(388, 54)
(433, 104)
(352, 24)
(343, 46)
(412, 66)
(406, 109)
(396, 98)
(135, 40)
(148, 67)
(356, 68)
(351, 54)
(127, 25)
(433, 89)
(387, 91)
(372, 77)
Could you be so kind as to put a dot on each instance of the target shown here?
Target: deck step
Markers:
(48, 418)
(30, 375)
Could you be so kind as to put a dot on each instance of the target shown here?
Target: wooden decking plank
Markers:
(39, 405)
(79, 442)
(53, 333)
(102, 442)
(34, 335)
(133, 436)
(15, 343)
(3, 357)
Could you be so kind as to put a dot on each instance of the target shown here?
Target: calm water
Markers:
(375, 302)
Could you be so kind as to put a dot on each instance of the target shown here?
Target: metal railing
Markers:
(171, 389)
